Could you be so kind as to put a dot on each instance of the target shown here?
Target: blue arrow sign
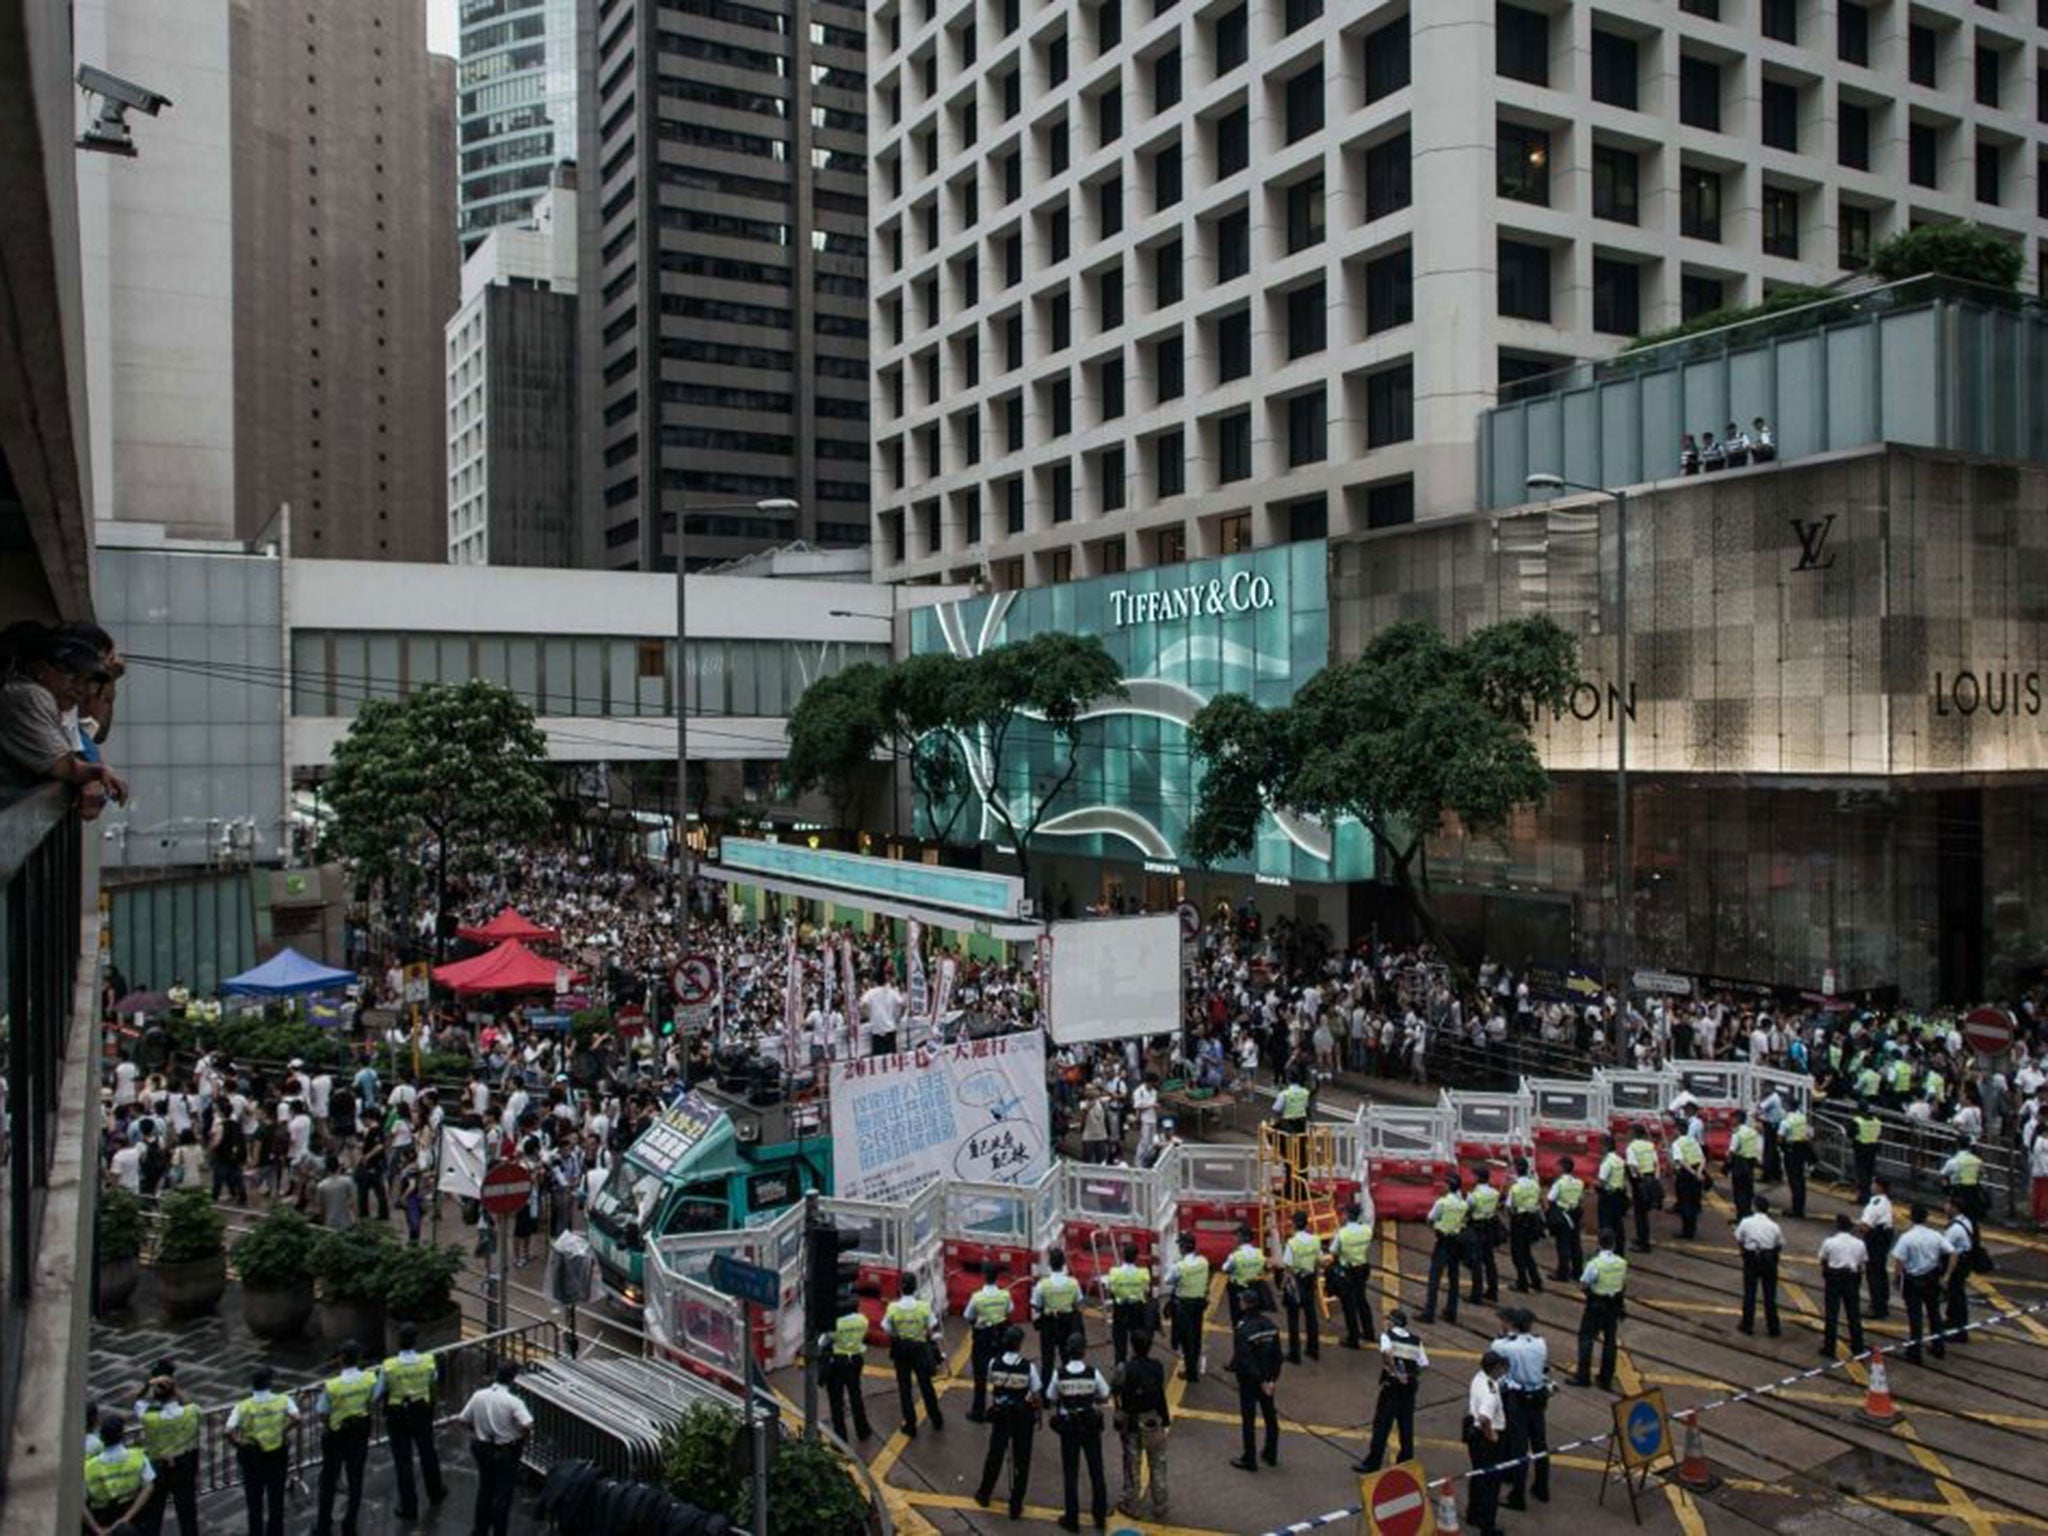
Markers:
(1645, 1430)
(749, 1282)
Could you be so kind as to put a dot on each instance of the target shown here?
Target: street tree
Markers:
(1416, 730)
(844, 723)
(448, 774)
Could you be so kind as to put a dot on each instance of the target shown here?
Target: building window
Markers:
(1390, 504)
(1056, 60)
(1013, 424)
(1852, 135)
(1699, 203)
(1233, 246)
(1111, 468)
(1109, 25)
(1781, 115)
(1169, 367)
(1386, 60)
(1524, 280)
(1109, 205)
(1615, 69)
(1852, 33)
(1709, 9)
(1307, 321)
(1698, 296)
(1234, 345)
(1617, 297)
(1109, 291)
(1169, 464)
(1390, 291)
(1166, 188)
(1521, 44)
(1988, 165)
(1013, 343)
(1059, 569)
(1062, 407)
(1923, 155)
(1987, 76)
(1308, 428)
(1614, 184)
(1113, 389)
(1063, 492)
(1166, 80)
(1230, 40)
(1060, 313)
(1305, 214)
(1109, 554)
(1923, 53)
(1386, 177)
(1234, 533)
(1522, 163)
(1233, 142)
(1781, 222)
(1304, 105)
(1109, 117)
(1013, 504)
(1699, 92)
(1166, 272)
(1169, 546)
(1057, 150)
(1297, 14)
(1390, 406)
(1234, 454)
(1779, 21)
(1852, 225)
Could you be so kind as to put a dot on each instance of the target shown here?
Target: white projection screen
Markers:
(1114, 977)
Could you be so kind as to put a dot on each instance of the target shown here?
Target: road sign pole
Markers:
(757, 1423)
(810, 1344)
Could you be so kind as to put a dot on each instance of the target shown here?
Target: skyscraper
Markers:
(515, 106)
(724, 310)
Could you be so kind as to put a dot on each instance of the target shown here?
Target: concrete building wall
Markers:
(346, 262)
(157, 233)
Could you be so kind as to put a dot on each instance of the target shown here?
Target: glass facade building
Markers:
(515, 107)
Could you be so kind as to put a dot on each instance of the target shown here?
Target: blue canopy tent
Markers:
(287, 974)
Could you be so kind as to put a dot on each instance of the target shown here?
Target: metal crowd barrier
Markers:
(1910, 1153)
(611, 1410)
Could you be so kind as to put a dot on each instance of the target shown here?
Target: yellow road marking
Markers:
(2004, 1304)
(1048, 1514)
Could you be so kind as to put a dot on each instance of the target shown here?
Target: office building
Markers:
(511, 352)
(1151, 282)
(724, 253)
(515, 107)
(342, 132)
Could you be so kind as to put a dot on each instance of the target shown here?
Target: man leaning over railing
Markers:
(50, 676)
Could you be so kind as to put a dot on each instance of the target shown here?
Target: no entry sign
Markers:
(1988, 1030)
(506, 1188)
(1396, 1502)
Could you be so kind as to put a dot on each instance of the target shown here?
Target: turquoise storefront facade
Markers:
(1255, 623)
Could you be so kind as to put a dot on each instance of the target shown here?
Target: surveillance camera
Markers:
(126, 92)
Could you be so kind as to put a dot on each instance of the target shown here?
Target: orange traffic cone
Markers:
(1446, 1501)
(1878, 1407)
(1693, 1471)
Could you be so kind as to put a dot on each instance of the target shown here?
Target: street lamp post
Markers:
(1624, 860)
(769, 504)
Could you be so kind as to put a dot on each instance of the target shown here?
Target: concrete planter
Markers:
(278, 1313)
(360, 1321)
(192, 1287)
(433, 1331)
(118, 1279)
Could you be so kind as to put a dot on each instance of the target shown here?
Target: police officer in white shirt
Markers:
(498, 1422)
(1964, 1258)
(1917, 1258)
(1486, 1423)
(1842, 1258)
(1874, 1226)
(1761, 1242)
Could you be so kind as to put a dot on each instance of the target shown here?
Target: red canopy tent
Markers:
(508, 924)
(511, 967)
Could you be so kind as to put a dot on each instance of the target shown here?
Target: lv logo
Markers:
(1813, 543)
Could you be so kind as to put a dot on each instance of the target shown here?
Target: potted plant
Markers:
(117, 1246)
(350, 1268)
(275, 1262)
(419, 1288)
(191, 1254)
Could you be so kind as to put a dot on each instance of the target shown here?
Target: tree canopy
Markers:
(452, 771)
(1414, 730)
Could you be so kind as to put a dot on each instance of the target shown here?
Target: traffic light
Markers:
(830, 1272)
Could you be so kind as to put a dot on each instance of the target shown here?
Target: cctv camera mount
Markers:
(108, 133)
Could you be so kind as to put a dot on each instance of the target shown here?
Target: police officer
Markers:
(1014, 1386)
(1244, 1272)
(912, 1329)
(1642, 1177)
(1351, 1274)
(1482, 1237)
(1874, 1226)
(1256, 1364)
(1964, 1257)
(1130, 1301)
(1689, 1178)
(1745, 1157)
(1865, 1129)
(1525, 1393)
(1567, 1201)
(1762, 1244)
(1770, 1117)
(118, 1479)
(406, 1383)
(1842, 1260)
(1447, 1219)
(1055, 1312)
(1188, 1303)
(988, 1313)
(1076, 1395)
(1290, 1106)
(1611, 1183)
(257, 1425)
(1604, 1281)
(1142, 1421)
(1525, 1227)
(344, 1408)
(170, 1437)
(1795, 1150)
(1402, 1362)
(1302, 1264)
(1918, 1257)
(848, 1343)
(1963, 1177)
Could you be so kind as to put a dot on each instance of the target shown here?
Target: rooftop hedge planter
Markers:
(191, 1255)
(275, 1263)
(117, 1247)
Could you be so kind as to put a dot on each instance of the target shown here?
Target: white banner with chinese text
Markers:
(975, 1111)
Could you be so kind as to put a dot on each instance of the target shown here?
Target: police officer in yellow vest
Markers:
(407, 1387)
(1055, 1311)
(1610, 1183)
(913, 1331)
(1188, 1301)
(1482, 1237)
(988, 1314)
(1525, 1226)
(1351, 1274)
(1745, 1158)
(118, 1479)
(1447, 1221)
(1129, 1285)
(1865, 1130)
(1244, 1273)
(1963, 1176)
(1795, 1151)
(1567, 1202)
(258, 1425)
(170, 1436)
(1644, 1189)
(1290, 1106)
(849, 1352)
(1689, 1174)
(1604, 1280)
(344, 1407)
(1302, 1265)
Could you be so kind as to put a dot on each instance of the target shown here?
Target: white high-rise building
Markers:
(1154, 282)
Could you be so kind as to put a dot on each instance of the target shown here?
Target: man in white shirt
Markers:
(1842, 1258)
(126, 1075)
(125, 1168)
(1874, 1226)
(882, 1008)
(1761, 1242)
(1961, 1240)
(1486, 1422)
(498, 1422)
(1917, 1259)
